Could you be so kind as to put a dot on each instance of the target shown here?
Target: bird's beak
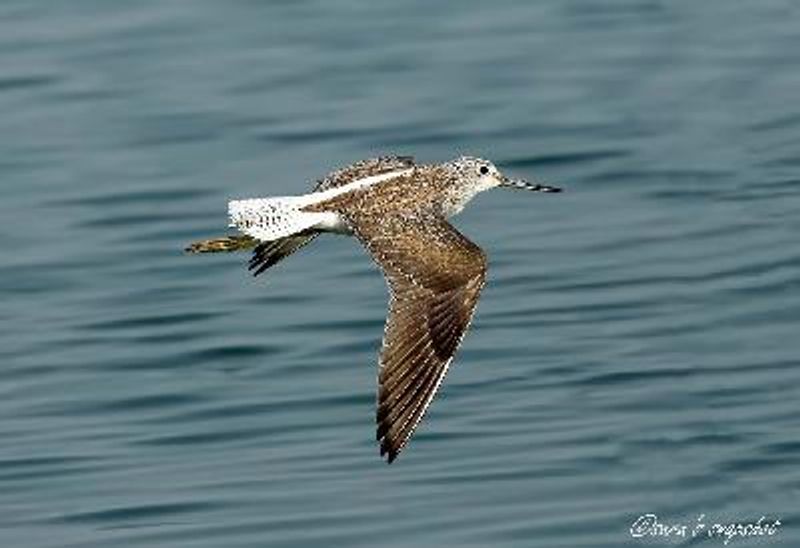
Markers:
(525, 185)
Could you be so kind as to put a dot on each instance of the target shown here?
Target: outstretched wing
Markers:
(266, 254)
(363, 169)
(435, 276)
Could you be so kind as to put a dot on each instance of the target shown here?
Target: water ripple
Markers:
(634, 349)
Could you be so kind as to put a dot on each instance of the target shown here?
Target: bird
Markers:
(398, 210)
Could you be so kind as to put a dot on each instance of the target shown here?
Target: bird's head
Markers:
(482, 175)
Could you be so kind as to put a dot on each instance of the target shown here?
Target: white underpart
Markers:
(273, 218)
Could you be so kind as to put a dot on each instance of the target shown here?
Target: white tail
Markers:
(273, 218)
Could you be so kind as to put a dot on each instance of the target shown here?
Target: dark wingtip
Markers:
(389, 449)
(382, 430)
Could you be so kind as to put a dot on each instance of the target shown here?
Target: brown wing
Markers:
(435, 276)
(364, 168)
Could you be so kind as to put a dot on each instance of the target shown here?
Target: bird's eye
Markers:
(484, 170)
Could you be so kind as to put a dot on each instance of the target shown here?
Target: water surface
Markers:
(635, 350)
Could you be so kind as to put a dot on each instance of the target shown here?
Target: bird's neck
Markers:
(457, 198)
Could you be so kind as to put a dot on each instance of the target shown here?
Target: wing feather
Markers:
(266, 254)
(364, 168)
(435, 276)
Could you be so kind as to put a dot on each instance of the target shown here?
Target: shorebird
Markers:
(398, 210)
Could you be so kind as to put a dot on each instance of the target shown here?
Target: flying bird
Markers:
(398, 210)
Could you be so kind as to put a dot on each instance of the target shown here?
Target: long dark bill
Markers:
(525, 185)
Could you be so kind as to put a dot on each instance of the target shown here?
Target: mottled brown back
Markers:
(362, 169)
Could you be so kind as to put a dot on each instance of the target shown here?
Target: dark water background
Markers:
(636, 350)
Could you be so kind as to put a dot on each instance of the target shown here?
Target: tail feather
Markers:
(269, 219)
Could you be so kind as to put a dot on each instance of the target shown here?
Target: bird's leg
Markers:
(224, 244)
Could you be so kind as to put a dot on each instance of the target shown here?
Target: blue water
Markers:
(635, 351)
